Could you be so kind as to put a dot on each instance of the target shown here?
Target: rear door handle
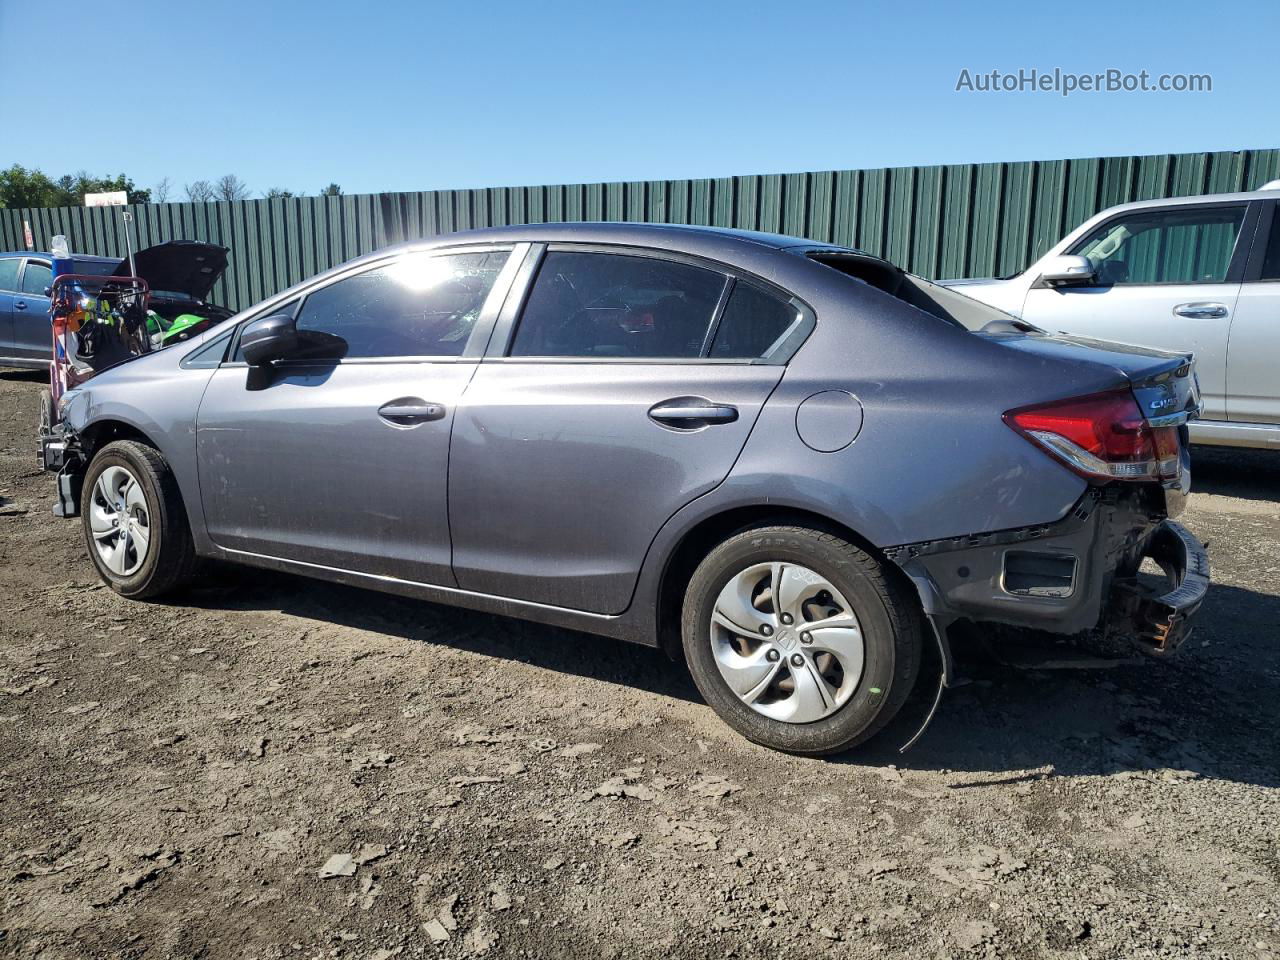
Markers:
(1201, 311)
(408, 410)
(19, 304)
(689, 413)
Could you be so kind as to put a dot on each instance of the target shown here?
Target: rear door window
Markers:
(754, 324)
(617, 306)
(36, 278)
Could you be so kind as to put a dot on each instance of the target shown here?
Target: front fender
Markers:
(156, 403)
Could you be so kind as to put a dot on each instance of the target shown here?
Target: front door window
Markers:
(1165, 246)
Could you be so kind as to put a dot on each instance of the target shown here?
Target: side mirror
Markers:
(1068, 269)
(277, 337)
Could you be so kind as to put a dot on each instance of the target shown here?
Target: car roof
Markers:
(723, 244)
(49, 256)
(1196, 199)
(689, 237)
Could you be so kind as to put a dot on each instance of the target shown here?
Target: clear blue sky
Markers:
(398, 95)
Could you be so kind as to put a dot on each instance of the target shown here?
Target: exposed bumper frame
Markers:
(1108, 533)
(1161, 623)
(59, 452)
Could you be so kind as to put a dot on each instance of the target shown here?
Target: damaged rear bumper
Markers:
(1079, 575)
(1159, 622)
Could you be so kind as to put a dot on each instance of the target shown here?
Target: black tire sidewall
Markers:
(843, 566)
(120, 454)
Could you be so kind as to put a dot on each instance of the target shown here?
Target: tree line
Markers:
(20, 187)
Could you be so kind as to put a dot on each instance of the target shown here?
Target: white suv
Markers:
(1193, 273)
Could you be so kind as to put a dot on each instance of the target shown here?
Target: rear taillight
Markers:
(1102, 435)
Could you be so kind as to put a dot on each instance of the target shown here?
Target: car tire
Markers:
(154, 509)
(46, 412)
(887, 617)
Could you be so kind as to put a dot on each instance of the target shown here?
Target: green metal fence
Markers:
(945, 221)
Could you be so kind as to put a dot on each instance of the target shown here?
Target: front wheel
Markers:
(800, 640)
(134, 523)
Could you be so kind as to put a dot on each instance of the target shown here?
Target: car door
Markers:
(31, 334)
(1253, 374)
(10, 268)
(625, 388)
(1166, 277)
(343, 464)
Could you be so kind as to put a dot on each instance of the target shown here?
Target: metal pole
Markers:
(128, 242)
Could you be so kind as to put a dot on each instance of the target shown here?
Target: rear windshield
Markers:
(938, 301)
(96, 268)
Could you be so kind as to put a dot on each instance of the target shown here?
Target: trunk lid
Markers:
(188, 267)
(1163, 381)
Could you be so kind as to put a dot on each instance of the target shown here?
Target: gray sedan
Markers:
(789, 463)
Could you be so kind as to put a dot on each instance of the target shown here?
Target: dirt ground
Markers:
(180, 779)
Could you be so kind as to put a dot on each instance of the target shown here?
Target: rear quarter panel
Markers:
(933, 458)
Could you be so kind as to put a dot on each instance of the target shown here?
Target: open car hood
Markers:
(183, 266)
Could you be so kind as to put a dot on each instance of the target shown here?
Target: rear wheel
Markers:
(134, 523)
(800, 640)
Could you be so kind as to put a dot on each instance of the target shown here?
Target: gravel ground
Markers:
(271, 767)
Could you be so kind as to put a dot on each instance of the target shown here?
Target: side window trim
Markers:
(717, 315)
(1264, 235)
(794, 336)
(1239, 254)
(1245, 243)
(504, 333)
(195, 361)
(501, 288)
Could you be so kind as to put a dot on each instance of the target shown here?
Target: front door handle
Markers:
(410, 410)
(19, 304)
(690, 413)
(1201, 311)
